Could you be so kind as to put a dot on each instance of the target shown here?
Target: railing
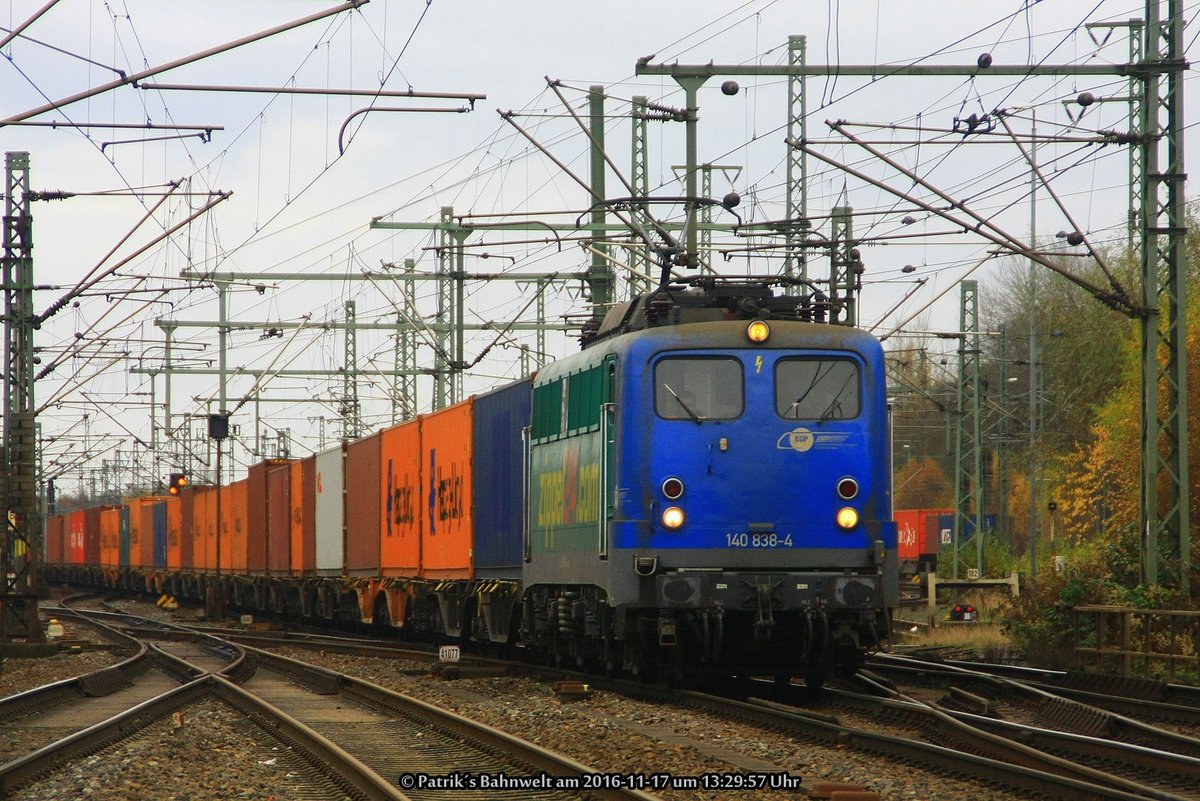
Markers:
(1153, 643)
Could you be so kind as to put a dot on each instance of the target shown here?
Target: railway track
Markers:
(1144, 699)
(289, 700)
(957, 732)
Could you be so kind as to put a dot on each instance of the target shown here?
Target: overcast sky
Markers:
(297, 205)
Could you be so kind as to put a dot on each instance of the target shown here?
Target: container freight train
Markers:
(703, 490)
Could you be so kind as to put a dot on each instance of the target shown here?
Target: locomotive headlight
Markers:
(847, 488)
(758, 331)
(847, 517)
(672, 517)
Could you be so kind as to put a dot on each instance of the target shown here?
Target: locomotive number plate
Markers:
(758, 539)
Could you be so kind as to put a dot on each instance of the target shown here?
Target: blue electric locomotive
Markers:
(709, 491)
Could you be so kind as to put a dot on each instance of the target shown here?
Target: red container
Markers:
(402, 505)
(933, 531)
(256, 519)
(76, 523)
(911, 532)
(54, 551)
(362, 507)
(446, 445)
(279, 518)
(110, 537)
(303, 499)
(91, 536)
(174, 531)
(187, 527)
(145, 557)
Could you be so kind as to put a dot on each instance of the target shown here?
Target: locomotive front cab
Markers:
(755, 495)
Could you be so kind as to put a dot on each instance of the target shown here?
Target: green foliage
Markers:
(1041, 622)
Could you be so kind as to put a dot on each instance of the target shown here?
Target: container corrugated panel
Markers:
(187, 527)
(131, 530)
(279, 519)
(362, 507)
(160, 533)
(204, 540)
(91, 536)
(910, 529)
(446, 467)
(76, 523)
(212, 530)
(308, 508)
(174, 506)
(400, 500)
(110, 537)
(145, 559)
(303, 528)
(498, 507)
(241, 526)
(53, 554)
(256, 519)
(233, 527)
(330, 510)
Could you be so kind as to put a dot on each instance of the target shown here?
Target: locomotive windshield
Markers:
(817, 389)
(698, 389)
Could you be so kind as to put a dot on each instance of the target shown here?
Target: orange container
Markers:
(233, 526)
(210, 529)
(110, 537)
(400, 500)
(446, 438)
(303, 500)
(138, 532)
(204, 529)
(256, 518)
(174, 531)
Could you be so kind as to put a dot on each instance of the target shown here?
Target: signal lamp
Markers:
(847, 488)
(758, 331)
(672, 517)
(672, 488)
(847, 517)
(176, 483)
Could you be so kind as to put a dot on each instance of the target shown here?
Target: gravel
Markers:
(214, 756)
(217, 755)
(610, 733)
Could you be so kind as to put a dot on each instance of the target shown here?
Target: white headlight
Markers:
(847, 517)
(672, 517)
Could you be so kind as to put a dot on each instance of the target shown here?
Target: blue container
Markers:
(500, 417)
(160, 534)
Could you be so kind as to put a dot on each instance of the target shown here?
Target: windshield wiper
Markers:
(695, 417)
(835, 405)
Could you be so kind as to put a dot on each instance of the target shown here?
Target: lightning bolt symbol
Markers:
(757, 364)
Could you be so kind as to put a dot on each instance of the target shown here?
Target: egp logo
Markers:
(798, 439)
